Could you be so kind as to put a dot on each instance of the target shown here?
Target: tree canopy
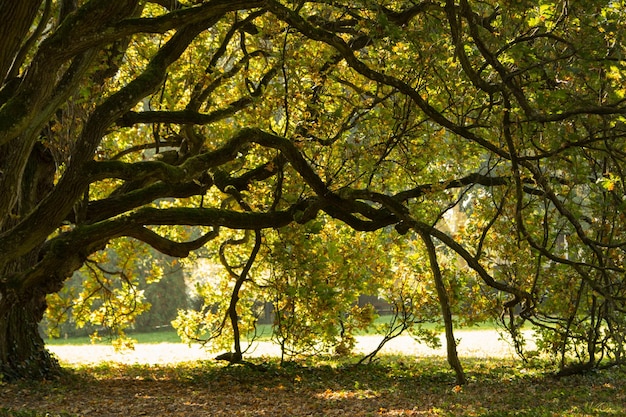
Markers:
(475, 147)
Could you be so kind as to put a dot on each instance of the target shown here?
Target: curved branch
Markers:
(65, 253)
(81, 24)
(171, 142)
(492, 60)
(170, 247)
(240, 278)
(444, 303)
(402, 214)
(100, 210)
(206, 217)
(191, 115)
(94, 26)
(459, 49)
(184, 16)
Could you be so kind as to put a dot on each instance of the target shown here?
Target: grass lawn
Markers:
(393, 386)
(161, 336)
(264, 332)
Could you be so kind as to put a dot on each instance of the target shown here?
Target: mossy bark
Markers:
(22, 350)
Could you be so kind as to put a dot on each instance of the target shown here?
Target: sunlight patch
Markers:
(330, 394)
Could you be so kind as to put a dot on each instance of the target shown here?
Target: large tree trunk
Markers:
(22, 350)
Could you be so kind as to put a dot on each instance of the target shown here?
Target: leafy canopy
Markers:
(253, 128)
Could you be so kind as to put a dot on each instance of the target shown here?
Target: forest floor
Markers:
(154, 380)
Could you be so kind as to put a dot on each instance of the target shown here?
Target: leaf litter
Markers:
(393, 386)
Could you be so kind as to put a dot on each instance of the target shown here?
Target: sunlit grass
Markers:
(263, 333)
(165, 336)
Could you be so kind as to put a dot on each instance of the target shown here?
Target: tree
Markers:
(141, 119)
(126, 285)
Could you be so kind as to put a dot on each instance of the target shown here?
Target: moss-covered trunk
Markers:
(22, 350)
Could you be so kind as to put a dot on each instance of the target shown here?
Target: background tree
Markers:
(141, 119)
(126, 285)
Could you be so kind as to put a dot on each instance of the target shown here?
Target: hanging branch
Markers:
(240, 279)
(446, 312)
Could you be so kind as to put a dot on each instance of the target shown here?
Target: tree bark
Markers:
(17, 17)
(22, 350)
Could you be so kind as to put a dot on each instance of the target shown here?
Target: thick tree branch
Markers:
(17, 18)
(53, 53)
(65, 253)
(112, 206)
(33, 229)
(184, 116)
(167, 246)
(400, 211)
(95, 25)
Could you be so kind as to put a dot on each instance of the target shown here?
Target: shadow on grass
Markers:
(392, 386)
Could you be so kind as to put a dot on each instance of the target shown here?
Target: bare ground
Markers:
(473, 343)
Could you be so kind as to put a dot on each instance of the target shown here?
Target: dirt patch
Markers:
(474, 343)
